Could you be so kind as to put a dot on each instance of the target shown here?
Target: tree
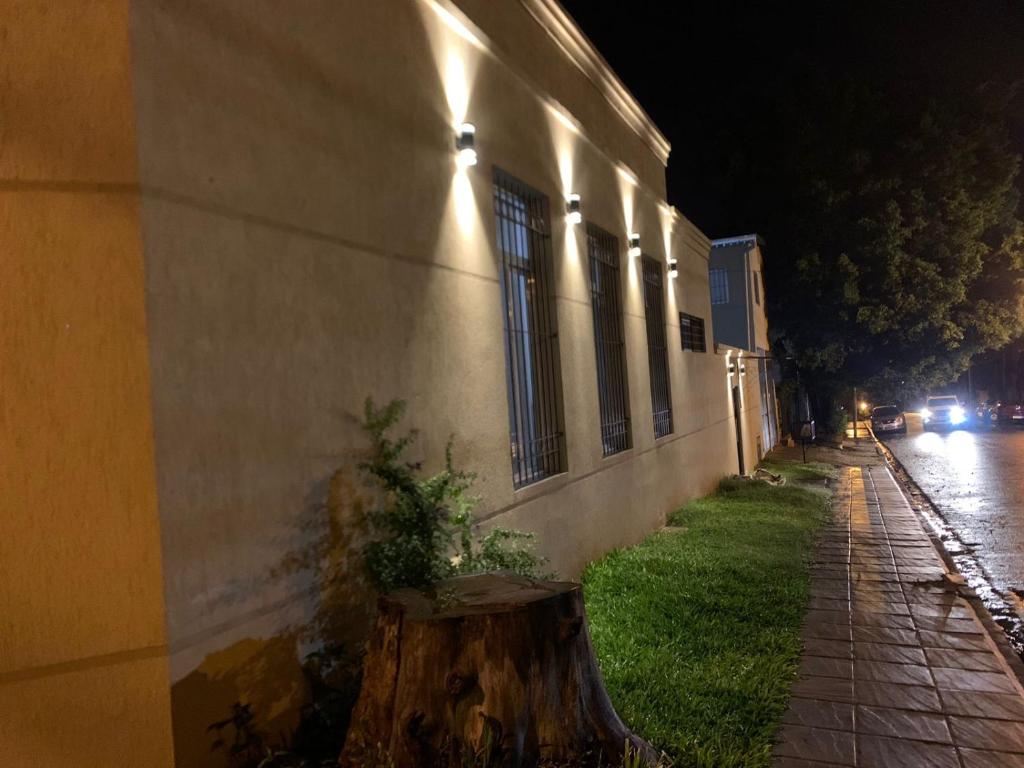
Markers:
(905, 251)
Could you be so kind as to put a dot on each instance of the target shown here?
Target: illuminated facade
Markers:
(224, 230)
(736, 281)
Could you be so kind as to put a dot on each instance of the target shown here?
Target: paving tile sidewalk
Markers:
(897, 669)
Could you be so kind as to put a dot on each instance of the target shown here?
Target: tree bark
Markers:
(488, 669)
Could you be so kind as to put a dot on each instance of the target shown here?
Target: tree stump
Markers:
(489, 669)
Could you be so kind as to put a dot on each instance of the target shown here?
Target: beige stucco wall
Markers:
(222, 230)
(752, 435)
(309, 241)
(756, 259)
(83, 661)
(761, 342)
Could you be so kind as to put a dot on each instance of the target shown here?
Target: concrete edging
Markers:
(995, 632)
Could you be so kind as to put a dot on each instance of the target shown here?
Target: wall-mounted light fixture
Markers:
(634, 244)
(573, 214)
(673, 268)
(465, 143)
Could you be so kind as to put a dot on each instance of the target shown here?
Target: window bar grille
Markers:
(657, 349)
(719, 281)
(609, 340)
(531, 351)
(691, 332)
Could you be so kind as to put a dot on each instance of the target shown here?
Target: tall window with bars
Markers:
(609, 340)
(657, 348)
(691, 331)
(533, 376)
(719, 280)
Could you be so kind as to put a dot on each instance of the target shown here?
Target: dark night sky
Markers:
(698, 68)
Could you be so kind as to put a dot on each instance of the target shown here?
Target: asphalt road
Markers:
(976, 479)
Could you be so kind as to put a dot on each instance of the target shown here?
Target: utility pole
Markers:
(1002, 395)
(855, 413)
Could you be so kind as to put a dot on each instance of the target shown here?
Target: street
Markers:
(974, 479)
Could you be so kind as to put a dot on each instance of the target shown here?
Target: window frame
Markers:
(722, 285)
(690, 338)
(653, 283)
(606, 298)
(537, 441)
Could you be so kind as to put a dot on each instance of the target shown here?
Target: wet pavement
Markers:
(898, 668)
(975, 479)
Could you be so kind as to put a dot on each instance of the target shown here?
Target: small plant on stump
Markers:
(424, 527)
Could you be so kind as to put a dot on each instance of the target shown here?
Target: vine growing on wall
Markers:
(424, 528)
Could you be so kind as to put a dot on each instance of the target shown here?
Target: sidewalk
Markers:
(897, 669)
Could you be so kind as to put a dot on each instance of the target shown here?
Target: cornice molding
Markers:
(581, 52)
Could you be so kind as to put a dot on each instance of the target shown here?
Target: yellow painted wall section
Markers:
(760, 316)
(83, 667)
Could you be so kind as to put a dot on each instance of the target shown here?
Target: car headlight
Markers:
(957, 414)
(899, 421)
(925, 413)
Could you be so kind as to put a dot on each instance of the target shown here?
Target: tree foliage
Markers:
(902, 249)
(424, 528)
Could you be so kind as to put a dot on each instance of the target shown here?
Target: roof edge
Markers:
(753, 237)
(581, 52)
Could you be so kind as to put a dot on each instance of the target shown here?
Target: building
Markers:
(737, 292)
(225, 225)
(736, 282)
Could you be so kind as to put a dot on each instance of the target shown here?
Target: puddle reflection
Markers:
(955, 458)
(958, 448)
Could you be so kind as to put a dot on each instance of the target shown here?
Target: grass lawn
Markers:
(697, 630)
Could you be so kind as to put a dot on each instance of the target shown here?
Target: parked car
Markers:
(1007, 415)
(888, 418)
(943, 411)
(984, 415)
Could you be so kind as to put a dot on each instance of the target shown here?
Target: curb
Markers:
(996, 633)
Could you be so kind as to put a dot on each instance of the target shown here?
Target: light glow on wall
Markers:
(565, 169)
(456, 52)
(627, 175)
(627, 193)
(735, 367)
(563, 117)
(456, 87)
(565, 139)
(455, 24)
(466, 214)
(667, 216)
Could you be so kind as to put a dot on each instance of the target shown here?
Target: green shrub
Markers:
(424, 529)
